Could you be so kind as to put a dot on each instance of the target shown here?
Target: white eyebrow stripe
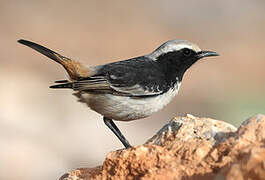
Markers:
(173, 45)
(167, 49)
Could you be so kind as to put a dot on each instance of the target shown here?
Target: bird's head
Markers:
(179, 55)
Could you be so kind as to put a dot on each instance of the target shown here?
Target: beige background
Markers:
(45, 132)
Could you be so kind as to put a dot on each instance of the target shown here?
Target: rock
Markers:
(83, 173)
(250, 165)
(190, 128)
(189, 148)
(244, 153)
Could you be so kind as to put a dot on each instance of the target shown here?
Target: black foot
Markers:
(116, 131)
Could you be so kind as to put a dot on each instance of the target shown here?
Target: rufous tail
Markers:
(74, 69)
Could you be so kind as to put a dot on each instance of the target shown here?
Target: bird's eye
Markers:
(187, 52)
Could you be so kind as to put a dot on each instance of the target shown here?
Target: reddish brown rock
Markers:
(243, 154)
(250, 165)
(189, 148)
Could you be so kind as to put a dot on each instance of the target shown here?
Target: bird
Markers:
(129, 89)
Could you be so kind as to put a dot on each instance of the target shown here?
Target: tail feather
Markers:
(75, 69)
(43, 50)
(65, 85)
(61, 81)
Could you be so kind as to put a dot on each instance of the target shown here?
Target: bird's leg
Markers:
(116, 131)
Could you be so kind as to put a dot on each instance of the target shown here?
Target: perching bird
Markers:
(129, 89)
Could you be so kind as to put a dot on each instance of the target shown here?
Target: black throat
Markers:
(174, 65)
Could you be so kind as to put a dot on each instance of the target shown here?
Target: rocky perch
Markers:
(189, 148)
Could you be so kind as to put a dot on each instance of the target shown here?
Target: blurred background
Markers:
(45, 133)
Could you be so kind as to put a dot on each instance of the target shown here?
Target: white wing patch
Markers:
(135, 90)
(100, 83)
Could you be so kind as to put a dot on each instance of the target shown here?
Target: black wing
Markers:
(134, 77)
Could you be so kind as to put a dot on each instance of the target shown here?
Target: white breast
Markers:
(124, 108)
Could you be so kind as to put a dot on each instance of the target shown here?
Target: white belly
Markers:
(124, 108)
